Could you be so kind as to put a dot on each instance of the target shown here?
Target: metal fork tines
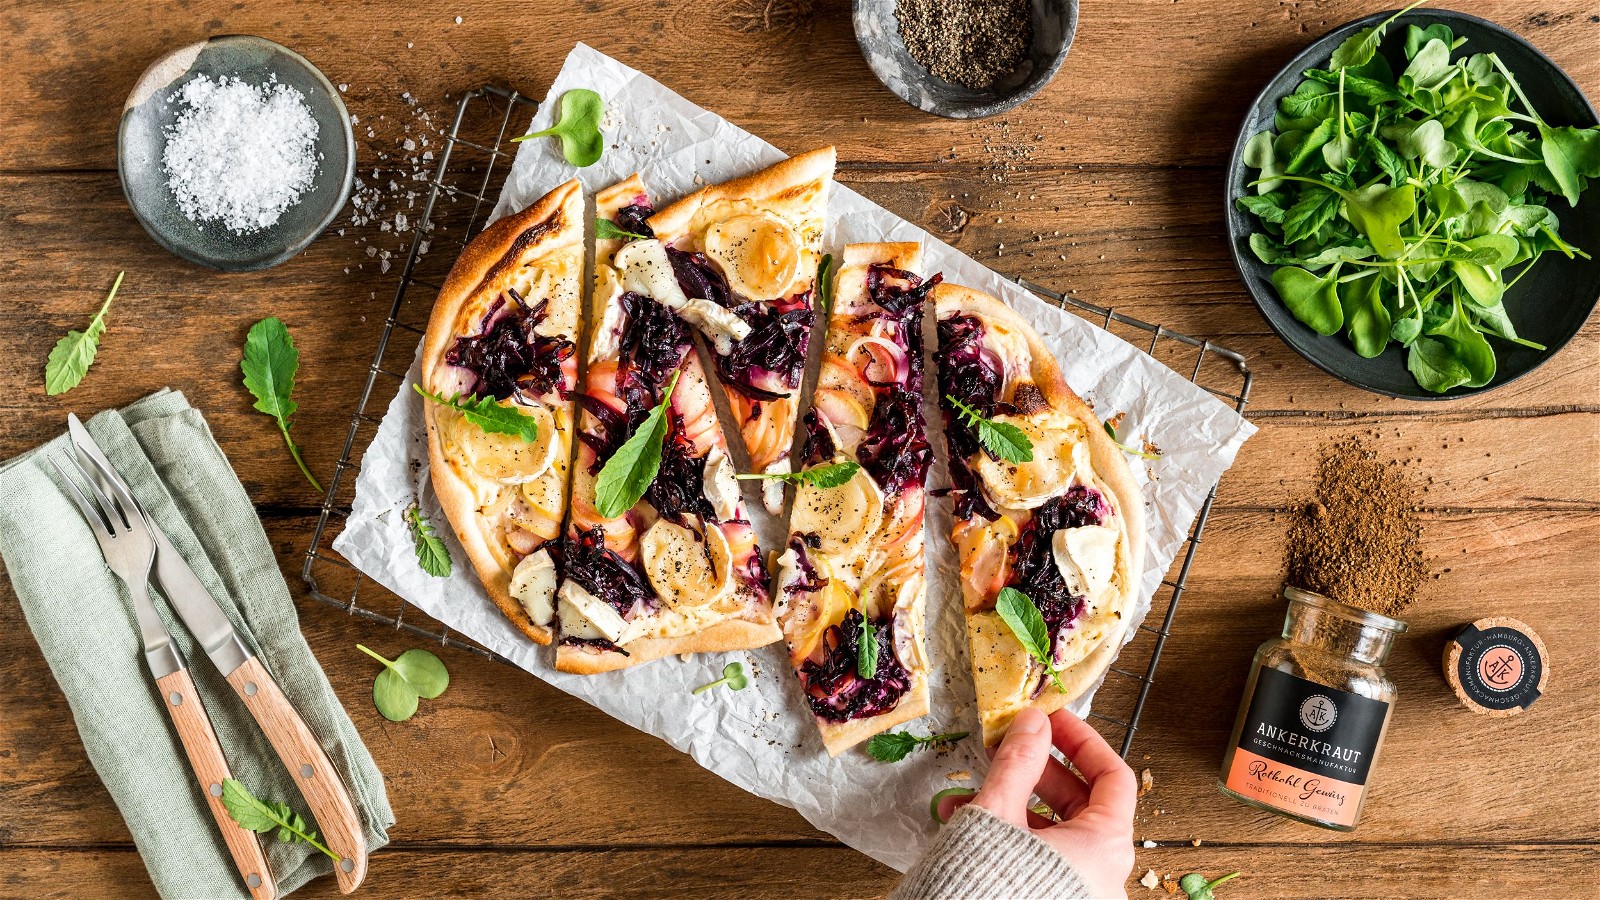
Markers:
(130, 551)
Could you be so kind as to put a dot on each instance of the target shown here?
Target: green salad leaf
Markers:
(490, 415)
(732, 676)
(605, 230)
(269, 366)
(432, 555)
(578, 127)
(71, 357)
(627, 474)
(414, 674)
(893, 746)
(263, 817)
(827, 475)
(1003, 439)
(1022, 616)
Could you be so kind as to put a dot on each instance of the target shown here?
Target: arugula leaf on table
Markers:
(605, 230)
(893, 746)
(628, 473)
(732, 676)
(269, 366)
(432, 555)
(578, 127)
(71, 357)
(414, 674)
(263, 818)
(1003, 439)
(1197, 887)
(828, 475)
(489, 414)
(1022, 616)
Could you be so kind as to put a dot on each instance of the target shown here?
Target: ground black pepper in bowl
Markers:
(973, 43)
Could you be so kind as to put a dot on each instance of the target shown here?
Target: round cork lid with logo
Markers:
(1498, 666)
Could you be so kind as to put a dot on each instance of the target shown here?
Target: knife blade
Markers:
(177, 582)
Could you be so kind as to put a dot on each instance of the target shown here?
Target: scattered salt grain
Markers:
(239, 154)
(1150, 880)
(458, 20)
(1149, 845)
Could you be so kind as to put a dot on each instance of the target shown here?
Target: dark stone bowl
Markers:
(1054, 22)
(1548, 306)
(143, 137)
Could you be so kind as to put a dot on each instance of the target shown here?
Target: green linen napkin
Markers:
(83, 618)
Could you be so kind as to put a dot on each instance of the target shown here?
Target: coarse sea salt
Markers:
(240, 154)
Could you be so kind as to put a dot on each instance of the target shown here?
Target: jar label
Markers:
(1306, 748)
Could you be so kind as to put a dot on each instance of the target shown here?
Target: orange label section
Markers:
(1294, 790)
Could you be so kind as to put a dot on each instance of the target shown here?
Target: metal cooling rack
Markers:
(471, 169)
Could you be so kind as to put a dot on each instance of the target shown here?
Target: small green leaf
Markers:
(578, 128)
(415, 673)
(432, 555)
(867, 650)
(1142, 454)
(828, 475)
(1002, 439)
(1197, 888)
(825, 284)
(1022, 616)
(1313, 299)
(269, 366)
(732, 676)
(605, 230)
(894, 746)
(72, 355)
(628, 473)
(933, 805)
(490, 415)
(262, 818)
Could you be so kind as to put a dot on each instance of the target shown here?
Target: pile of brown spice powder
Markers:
(973, 43)
(1358, 540)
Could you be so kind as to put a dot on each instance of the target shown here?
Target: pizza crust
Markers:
(1111, 469)
(773, 188)
(729, 634)
(552, 224)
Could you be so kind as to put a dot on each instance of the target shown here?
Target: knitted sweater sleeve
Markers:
(977, 856)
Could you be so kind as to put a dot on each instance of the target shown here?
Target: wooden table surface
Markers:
(1109, 184)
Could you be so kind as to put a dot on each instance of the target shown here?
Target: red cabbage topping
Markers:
(895, 451)
(599, 570)
(1033, 567)
(773, 355)
(635, 217)
(972, 374)
(897, 290)
(834, 689)
(654, 342)
(599, 643)
(508, 355)
(819, 446)
(679, 486)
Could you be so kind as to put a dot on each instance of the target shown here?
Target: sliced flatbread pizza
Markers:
(746, 252)
(851, 586)
(1061, 524)
(679, 571)
(499, 362)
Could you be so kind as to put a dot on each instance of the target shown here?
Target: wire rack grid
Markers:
(457, 203)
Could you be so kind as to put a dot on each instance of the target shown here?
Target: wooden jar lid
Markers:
(1497, 666)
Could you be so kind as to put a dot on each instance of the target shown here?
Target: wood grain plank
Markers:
(1148, 82)
(1336, 872)
(505, 759)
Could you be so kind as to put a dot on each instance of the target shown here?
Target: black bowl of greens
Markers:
(1414, 204)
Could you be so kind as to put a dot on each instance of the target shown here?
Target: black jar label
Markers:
(1306, 748)
(1499, 668)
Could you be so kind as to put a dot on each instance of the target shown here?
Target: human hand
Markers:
(1095, 833)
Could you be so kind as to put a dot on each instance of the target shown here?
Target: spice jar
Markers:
(1314, 713)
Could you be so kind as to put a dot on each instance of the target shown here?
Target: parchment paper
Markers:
(762, 738)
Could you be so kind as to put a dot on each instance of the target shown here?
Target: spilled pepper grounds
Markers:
(1358, 540)
(973, 43)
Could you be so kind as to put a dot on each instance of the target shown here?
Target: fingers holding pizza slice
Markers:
(747, 252)
(1049, 523)
(677, 569)
(851, 586)
(498, 363)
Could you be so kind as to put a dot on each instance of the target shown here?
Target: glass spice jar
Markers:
(1314, 713)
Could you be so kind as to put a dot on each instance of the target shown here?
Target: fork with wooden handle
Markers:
(130, 552)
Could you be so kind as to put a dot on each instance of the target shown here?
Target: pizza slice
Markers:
(851, 585)
(1049, 523)
(679, 571)
(498, 362)
(751, 247)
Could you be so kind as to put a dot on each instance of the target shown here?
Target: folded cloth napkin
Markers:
(83, 618)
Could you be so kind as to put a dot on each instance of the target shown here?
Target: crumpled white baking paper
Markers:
(762, 738)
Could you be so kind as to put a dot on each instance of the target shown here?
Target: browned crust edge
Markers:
(730, 634)
(474, 263)
(1110, 465)
(838, 737)
(670, 223)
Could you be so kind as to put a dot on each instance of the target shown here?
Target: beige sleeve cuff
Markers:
(979, 857)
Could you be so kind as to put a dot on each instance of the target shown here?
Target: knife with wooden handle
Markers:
(296, 746)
